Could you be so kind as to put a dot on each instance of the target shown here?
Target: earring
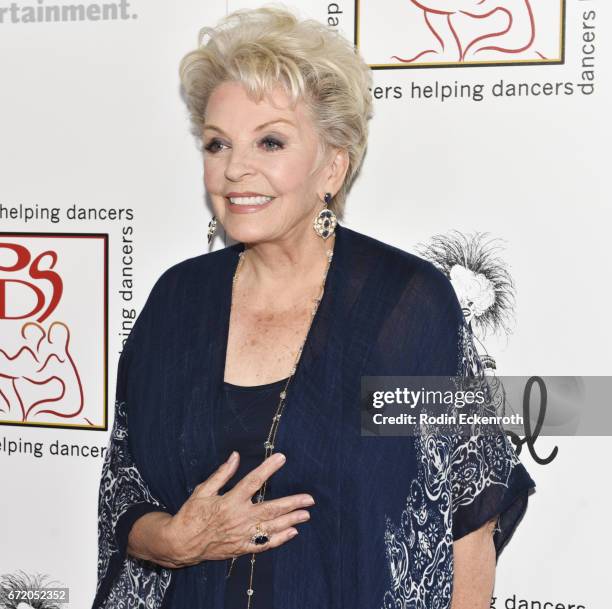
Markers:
(212, 227)
(325, 221)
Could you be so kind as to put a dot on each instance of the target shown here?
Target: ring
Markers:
(260, 537)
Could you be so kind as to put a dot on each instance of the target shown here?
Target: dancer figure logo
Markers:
(53, 330)
(460, 32)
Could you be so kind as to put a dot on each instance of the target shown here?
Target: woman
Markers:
(260, 347)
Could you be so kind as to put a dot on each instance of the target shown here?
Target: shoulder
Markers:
(192, 273)
(417, 277)
(420, 316)
(186, 287)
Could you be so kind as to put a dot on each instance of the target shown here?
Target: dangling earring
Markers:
(212, 227)
(325, 221)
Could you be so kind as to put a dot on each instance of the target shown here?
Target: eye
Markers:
(212, 145)
(271, 143)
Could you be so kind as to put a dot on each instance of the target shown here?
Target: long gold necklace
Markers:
(269, 443)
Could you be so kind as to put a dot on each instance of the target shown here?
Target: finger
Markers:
(267, 510)
(285, 521)
(217, 480)
(276, 539)
(253, 481)
(270, 527)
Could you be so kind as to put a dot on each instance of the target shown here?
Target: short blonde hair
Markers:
(264, 47)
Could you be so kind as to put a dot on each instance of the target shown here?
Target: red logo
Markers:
(52, 308)
(450, 32)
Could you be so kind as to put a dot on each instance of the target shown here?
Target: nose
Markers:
(238, 164)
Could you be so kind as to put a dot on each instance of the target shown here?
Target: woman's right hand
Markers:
(210, 526)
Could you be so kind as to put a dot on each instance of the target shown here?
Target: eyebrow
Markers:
(262, 126)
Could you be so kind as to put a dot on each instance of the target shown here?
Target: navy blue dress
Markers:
(243, 426)
(387, 511)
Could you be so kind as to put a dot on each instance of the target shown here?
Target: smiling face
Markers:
(261, 164)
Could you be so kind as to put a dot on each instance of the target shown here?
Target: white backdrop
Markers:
(91, 119)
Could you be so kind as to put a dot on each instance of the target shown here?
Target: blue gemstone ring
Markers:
(261, 537)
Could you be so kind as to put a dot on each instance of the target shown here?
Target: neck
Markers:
(279, 270)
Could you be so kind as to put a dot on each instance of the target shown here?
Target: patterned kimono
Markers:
(387, 509)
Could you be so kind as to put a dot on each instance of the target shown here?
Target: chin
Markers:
(248, 232)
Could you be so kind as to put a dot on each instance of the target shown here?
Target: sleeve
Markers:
(488, 480)
(123, 498)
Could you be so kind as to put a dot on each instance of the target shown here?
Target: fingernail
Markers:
(293, 533)
(232, 457)
(279, 457)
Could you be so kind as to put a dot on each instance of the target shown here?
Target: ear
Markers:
(336, 169)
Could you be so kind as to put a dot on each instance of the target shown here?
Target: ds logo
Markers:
(24, 262)
(53, 330)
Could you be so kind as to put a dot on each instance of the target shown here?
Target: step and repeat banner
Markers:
(488, 154)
